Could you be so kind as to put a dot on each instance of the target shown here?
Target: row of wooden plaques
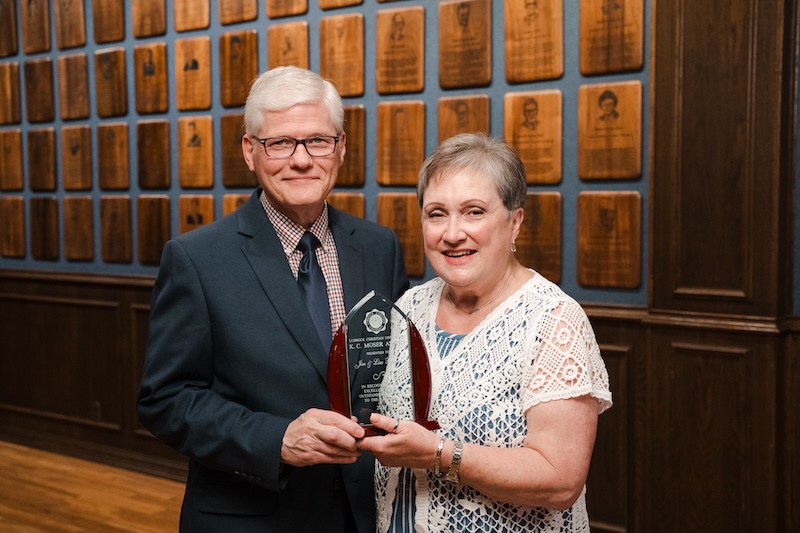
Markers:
(609, 143)
(611, 35)
(608, 234)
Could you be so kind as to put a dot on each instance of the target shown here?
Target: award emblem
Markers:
(373, 331)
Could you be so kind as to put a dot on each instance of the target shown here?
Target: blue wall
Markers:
(569, 187)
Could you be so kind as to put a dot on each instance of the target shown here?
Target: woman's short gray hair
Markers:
(477, 152)
(280, 88)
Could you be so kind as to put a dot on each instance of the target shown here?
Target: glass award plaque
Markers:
(375, 333)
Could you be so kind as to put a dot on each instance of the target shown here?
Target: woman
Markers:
(518, 381)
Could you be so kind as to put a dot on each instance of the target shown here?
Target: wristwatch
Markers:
(455, 464)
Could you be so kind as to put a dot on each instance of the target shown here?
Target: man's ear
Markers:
(342, 147)
(247, 152)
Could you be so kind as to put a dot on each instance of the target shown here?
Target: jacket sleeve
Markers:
(176, 400)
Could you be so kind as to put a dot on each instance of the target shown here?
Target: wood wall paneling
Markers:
(713, 431)
(716, 176)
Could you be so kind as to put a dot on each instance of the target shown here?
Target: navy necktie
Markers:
(312, 286)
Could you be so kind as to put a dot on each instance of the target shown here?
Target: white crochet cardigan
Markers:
(534, 347)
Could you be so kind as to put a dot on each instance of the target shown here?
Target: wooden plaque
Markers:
(191, 14)
(238, 58)
(108, 17)
(150, 66)
(401, 142)
(152, 154)
(611, 36)
(76, 158)
(232, 11)
(113, 163)
(400, 212)
(341, 42)
(110, 82)
(39, 104)
(610, 130)
(149, 18)
(70, 25)
(35, 15)
(73, 87)
(465, 43)
(78, 228)
(9, 93)
(116, 243)
(11, 176)
(351, 173)
(532, 125)
(153, 227)
(195, 152)
(349, 202)
(193, 73)
(539, 239)
(287, 44)
(400, 51)
(44, 227)
(462, 114)
(231, 202)
(534, 39)
(331, 4)
(609, 239)
(234, 168)
(286, 8)
(12, 226)
(195, 210)
(8, 37)
(42, 159)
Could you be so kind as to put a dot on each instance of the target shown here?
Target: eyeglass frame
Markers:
(297, 142)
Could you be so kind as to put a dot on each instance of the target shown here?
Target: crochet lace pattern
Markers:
(536, 346)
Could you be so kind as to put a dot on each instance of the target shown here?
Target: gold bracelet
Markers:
(455, 464)
(438, 462)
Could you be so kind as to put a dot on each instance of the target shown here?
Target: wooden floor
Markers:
(42, 492)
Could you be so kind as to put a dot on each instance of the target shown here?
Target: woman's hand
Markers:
(406, 443)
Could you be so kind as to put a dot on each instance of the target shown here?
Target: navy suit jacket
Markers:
(233, 358)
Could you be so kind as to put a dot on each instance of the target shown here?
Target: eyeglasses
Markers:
(284, 147)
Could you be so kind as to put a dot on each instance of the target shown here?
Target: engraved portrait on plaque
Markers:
(610, 131)
(465, 44)
(532, 125)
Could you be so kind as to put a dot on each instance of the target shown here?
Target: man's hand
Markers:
(321, 437)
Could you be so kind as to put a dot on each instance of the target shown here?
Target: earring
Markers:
(513, 246)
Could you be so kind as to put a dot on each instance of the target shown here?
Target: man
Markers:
(235, 370)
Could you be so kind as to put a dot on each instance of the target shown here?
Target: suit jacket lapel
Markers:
(351, 267)
(265, 255)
